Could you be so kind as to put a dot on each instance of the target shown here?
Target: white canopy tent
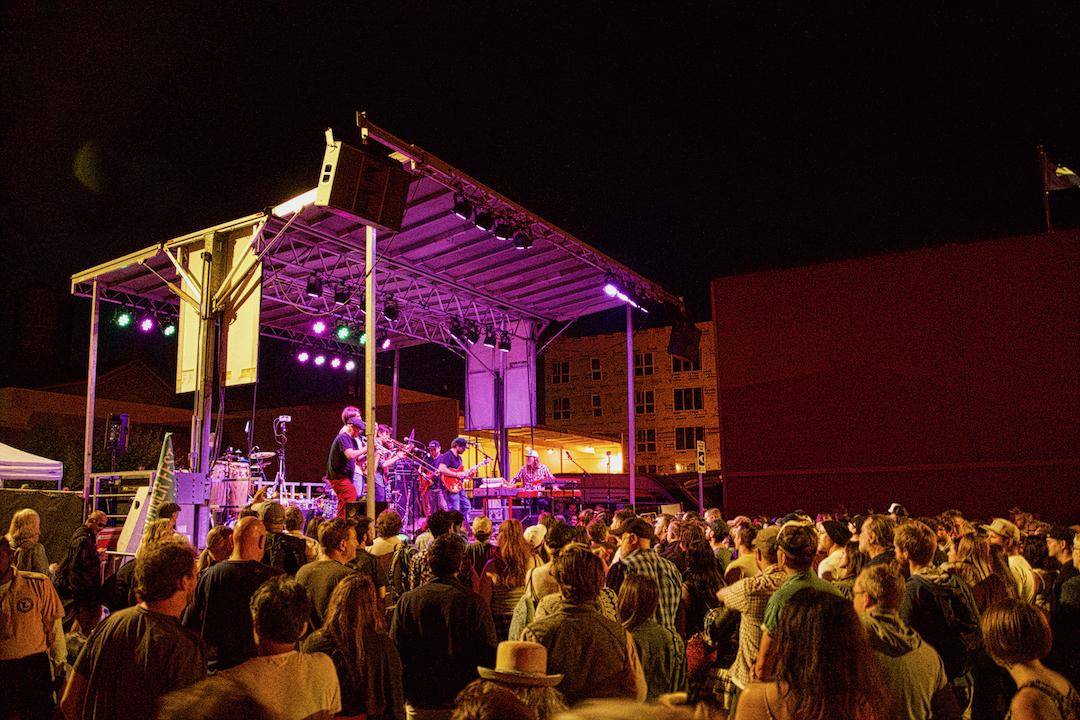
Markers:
(18, 466)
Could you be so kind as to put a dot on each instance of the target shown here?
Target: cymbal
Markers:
(263, 455)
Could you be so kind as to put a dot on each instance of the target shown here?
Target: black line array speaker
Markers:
(372, 188)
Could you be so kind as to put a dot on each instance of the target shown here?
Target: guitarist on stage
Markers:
(429, 486)
(453, 476)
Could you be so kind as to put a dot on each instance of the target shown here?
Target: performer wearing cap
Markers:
(532, 473)
(341, 463)
(450, 466)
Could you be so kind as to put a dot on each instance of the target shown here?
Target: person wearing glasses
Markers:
(79, 576)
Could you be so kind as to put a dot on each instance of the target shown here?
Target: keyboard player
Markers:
(532, 473)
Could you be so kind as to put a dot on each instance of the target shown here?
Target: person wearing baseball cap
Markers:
(637, 555)
(1007, 535)
(532, 473)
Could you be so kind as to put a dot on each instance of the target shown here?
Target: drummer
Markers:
(532, 473)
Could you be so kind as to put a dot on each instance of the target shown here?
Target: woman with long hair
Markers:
(503, 580)
(971, 559)
(1017, 637)
(825, 666)
(701, 581)
(663, 656)
(24, 535)
(368, 664)
(851, 564)
(219, 546)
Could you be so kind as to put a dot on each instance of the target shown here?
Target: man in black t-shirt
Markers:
(341, 463)
(452, 477)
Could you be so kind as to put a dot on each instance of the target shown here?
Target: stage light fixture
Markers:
(314, 287)
(611, 289)
(168, 327)
(350, 365)
(503, 230)
(362, 340)
(483, 220)
(391, 311)
(462, 208)
(342, 332)
(320, 359)
(491, 340)
(385, 343)
(342, 295)
(522, 240)
(504, 343)
(454, 328)
(123, 318)
(318, 327)
(472, 334)
(335, 363)
(146, 323)
(303, 356)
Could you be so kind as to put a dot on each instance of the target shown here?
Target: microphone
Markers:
(568, 454)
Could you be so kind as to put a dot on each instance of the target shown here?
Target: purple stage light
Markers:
(335, 363)
(146, 324)
(350, 365)
(318, 327)
(303, 356)
(320, 360)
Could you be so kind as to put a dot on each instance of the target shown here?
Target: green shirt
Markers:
(793, 584)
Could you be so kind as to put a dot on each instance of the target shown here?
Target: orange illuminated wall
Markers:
(939, 378)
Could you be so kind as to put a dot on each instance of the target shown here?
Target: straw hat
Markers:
(520, 663)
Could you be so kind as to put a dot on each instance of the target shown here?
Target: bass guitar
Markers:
(453, 484)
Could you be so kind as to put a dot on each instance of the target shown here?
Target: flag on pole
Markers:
(164, 481)
(1058, 177)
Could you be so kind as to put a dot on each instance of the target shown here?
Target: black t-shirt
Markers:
(319, 579)
(450, 460)
(338, 465)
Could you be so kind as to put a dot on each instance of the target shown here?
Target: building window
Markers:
(597, 411)
(679, 365)
(688, 399)
(644, 402)
(560, 373)
(647, 469)
(596, 368)
(686, 437)
(646, 440)
(643, 364)
(560, 409)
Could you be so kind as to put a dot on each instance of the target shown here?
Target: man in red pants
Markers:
(342, 462)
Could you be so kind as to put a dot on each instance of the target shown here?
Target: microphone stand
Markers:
(587, 474)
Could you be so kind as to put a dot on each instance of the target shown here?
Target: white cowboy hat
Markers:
(520, 663)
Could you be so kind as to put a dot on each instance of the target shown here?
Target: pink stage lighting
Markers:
(350, 365)
(335, 363)
(318, 327)
(303, 356)
(146, 324)
(320, 360)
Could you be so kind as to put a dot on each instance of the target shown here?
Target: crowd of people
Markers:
(865, 617)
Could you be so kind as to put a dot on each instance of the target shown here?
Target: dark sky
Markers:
(686, 140)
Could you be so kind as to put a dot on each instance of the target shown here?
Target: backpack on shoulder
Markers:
(958, 630)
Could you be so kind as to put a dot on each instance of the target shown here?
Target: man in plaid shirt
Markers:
(635, 548)
(749, 597)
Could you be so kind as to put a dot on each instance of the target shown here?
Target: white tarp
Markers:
(19, 466)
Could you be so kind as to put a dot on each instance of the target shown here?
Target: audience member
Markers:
(443, 631)
(825, 667)
(832, 537)
(30, 611)
(745, 565)
(282, 551)
(1005, 534)
(637, 556)
(971, 560)
(876, 538)
(521, 669)
(701, 582)
(1059, 543)
(368, 664)
(219, 545)
(440, 523)
(480, 551)
(24, 534)
(139, 654)
(219, 611)
(503, 580)
(364, 562)
(718, 535)
(294, 527)
(339, 544)
(596, 656)
(79, 576)
(851, 564)
(658, 648)
(214, 698)
(290, 684)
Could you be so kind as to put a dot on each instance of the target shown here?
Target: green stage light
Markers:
(342, 332)
(123, 319)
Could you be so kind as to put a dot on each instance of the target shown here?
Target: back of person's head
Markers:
(973, 550)
(215, 698)
(918, 541)
(1016, 632)
(691, 533)
(388, 524)
(825, 659)
(766, 542)
(720, 529)
(353, 607)
(598, 530)
(445, 554)
(247, 512)
(440, 522)
(799, 544)
(168, 509)
(248, 538)
(280, 609)
(363, 525)
(219, 541)
(349, 412)
(334, 532)
(294, 519)
(457, 520)
(273, 516)
(579, 573)
(155, 533)
(515, 552)
(161, 568)
(1035, 552)
(884, 585)
(559, 535)
(24, 524)
(748, 534)
(313, 526)
(481, 528)
(701, 562)
(639, 598)
(623, 515)
(494, 705)
(999, 564)
(882, 527)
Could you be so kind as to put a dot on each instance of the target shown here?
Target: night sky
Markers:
(686, 140)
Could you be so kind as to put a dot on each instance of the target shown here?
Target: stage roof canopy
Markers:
(439, 271)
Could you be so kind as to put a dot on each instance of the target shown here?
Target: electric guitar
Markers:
(453, 484)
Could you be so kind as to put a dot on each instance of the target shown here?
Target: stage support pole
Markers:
(91, 395)
(370, 349)
(394, 401)
(632, 439)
